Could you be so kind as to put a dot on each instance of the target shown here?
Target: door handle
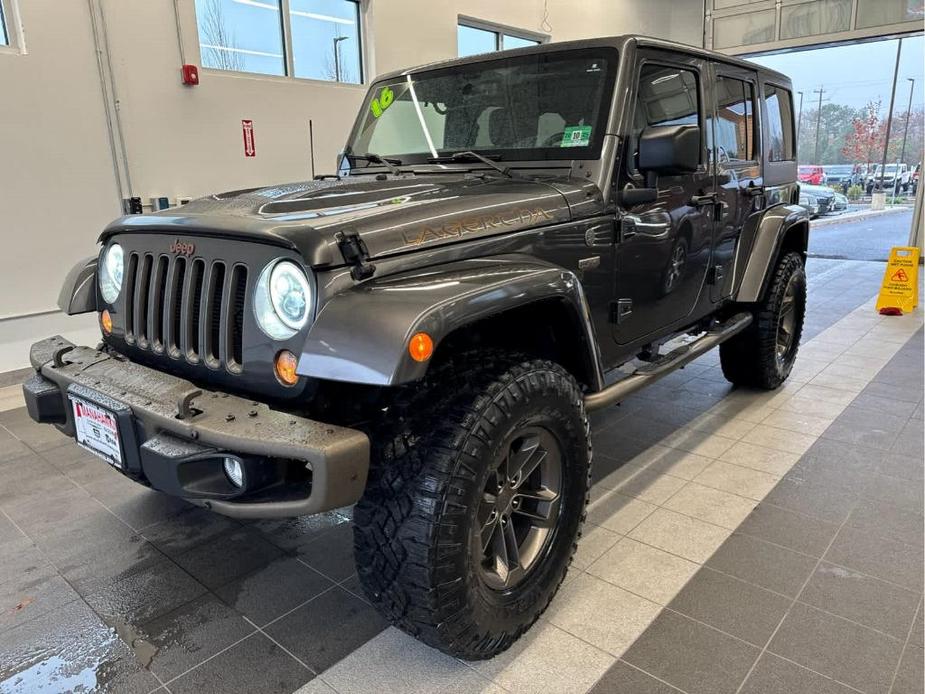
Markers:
(704, 200)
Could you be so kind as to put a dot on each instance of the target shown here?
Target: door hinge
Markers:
(716, 275)
(355, 253)
(620, 310)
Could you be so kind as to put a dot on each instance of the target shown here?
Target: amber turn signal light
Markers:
(106, 322)
(285, 368)
(421, 347)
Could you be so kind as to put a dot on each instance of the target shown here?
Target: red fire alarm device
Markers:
(190, 75)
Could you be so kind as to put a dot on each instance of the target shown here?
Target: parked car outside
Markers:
(897, 175)
(916, 176)
(839, 175)
(820, 200)
(811, 173)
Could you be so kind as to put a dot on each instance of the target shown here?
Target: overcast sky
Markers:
(854, 74)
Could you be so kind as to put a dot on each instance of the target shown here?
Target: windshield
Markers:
(540, 106)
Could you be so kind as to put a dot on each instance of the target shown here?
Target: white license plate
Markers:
(97, 430)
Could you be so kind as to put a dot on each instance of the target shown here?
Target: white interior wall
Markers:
(58, 186)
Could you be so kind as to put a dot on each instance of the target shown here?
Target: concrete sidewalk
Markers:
(858, 214)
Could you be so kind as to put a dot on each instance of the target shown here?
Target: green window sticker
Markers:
(382, 102)
(576, 136)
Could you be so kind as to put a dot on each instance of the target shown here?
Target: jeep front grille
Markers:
(189, 309)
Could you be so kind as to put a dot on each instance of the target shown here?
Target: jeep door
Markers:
(732, 138)
(664, 247)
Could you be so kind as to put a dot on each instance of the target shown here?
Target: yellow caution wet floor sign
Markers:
(899, 292)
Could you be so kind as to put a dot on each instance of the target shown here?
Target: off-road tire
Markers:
(751, 358)
(412, 528)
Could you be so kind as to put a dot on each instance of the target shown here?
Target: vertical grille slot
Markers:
(156, 304)
(237, 299)
(172, 319)
(212, 314)
(142, 287)
(192, 307)
(129, 300)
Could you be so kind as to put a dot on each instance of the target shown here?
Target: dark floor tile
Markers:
(906, 391)
(292, 533)
(907, 467)
(193, 632)
(773, 675)
(770, 566)
(32, 597)
(848, 456)
(624, 678)
(44, 510)
(897, 492)
(227, 557)
(332, 553)
(860, 418)
(68, 650)
(794, 530)
(910, 676)
(848, 652)
(884, 405)
(254, 665)
(8, 531)
(327, 629)
(884, 519)
(11, 447)
(691, 656)
(95, 549)
(873, 438)
(66, 458)
(916, 637)
(910, 441)
(186, 530)
(860, 598)
(738, 608)
(821, 501)
(21, 476)
(353, 585)
(617, 446)
(831, 473)
(136, 505)
(139, 596)
(22, 561)
(882, 558)
(273, 590)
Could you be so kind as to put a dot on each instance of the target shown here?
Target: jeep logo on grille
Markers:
(179, 247)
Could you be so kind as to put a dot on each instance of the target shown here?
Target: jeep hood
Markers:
(392, 215)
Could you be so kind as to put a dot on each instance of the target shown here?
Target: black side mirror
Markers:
(669, 149)
(630, 197)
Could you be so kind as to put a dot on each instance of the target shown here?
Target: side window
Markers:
(666, 96)
(734, 136)
(779, 104)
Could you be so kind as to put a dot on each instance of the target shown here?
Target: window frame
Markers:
(11, 28)
(724, 71)
(288, 52)
(499, 30)
(641, 63)
(767, 119)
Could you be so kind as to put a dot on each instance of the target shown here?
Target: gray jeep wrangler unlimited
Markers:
(511, 241)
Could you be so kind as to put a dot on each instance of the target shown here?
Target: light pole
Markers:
(818, 114)
(337, 40)
(902, 156)
(889, 115)
(799, 117)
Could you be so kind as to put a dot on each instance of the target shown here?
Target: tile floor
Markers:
(737, 541)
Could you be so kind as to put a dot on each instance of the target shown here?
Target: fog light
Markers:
(234, 471)
(106, 322)
(285, 368)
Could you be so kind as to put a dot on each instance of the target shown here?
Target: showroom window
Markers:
(779, 103)
(734, 134)
(312, 39)
(474, 37)
(4, 36)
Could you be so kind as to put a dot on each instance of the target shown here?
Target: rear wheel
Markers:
(763, 355)
(475, 503)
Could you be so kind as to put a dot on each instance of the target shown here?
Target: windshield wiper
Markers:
(390, 164)
(468, 154)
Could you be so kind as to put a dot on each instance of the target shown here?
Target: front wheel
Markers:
(762, 355)
(475, 504)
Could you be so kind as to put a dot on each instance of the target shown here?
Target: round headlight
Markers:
(282, 299)
(111, 271)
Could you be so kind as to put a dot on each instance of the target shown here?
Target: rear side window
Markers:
(779, 103)
(734, 137)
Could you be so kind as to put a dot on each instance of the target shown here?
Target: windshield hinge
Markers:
(355, 253)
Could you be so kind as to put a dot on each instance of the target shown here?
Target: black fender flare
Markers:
(361, 334)
(78, 293)
(773, 225)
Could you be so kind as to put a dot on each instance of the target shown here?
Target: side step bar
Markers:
(650, 373)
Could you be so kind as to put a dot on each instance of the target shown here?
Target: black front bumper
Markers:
(174, 436)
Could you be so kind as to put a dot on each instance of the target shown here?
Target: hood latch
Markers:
(355, 253)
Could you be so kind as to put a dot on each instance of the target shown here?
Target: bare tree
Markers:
(216, 33)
